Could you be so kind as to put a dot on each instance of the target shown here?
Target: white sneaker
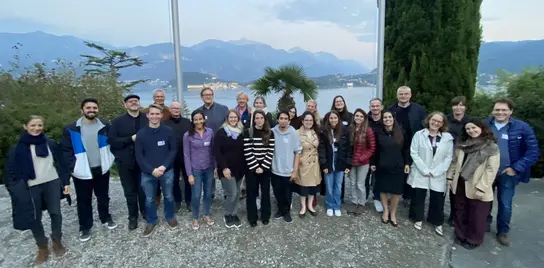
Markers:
(337, 213)
(258, 203)
(378, 206)
(330, 212)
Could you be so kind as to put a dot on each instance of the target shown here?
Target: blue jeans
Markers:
(203, 182)
(333, 182)
(150, 184)
(506, 189)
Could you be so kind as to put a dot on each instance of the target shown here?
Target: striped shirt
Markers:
(257, 154)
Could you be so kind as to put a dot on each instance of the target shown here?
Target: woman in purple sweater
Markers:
(199, 164)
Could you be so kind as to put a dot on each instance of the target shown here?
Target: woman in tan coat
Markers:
(309, 173)
(470, 177)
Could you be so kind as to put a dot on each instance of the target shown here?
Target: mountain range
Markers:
(240, 60)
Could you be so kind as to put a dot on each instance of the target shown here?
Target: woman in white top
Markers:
(432, 152)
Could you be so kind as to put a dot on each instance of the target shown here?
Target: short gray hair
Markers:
(158, 90)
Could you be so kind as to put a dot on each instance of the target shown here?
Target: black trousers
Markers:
(100, 185)
(49, 193)
(131, 177)
(436, 206)
(253, 183)
(179, 176)
(408, 191)
(282, 191)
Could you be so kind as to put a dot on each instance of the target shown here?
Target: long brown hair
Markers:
(266, 127)
(358, 135)
(397, 130)
(338, 129)
(315, 125)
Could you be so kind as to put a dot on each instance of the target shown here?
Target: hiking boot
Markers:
(503, 239)
(132, 224)
(42, 256)
(149, 230)
(173, 224)
(58, 248)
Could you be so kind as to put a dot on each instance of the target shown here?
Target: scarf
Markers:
(476, 152)
(23, 158)
(232, 132)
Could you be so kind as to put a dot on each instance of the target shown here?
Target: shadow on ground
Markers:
(322, 241)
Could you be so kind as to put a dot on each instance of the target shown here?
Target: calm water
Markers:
(356, 97)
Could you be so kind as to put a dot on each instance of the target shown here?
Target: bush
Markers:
(527, 92)
(55, 94)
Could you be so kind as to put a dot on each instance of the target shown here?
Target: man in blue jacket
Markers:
(86, 153)
(519, 151)
(155, 150)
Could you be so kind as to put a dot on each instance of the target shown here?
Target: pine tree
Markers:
(432, 46)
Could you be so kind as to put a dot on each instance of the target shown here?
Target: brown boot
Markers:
(43, 255)
(359, 210)
(58, 248)
(503, 240)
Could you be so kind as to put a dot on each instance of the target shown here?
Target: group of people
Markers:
(398, 151)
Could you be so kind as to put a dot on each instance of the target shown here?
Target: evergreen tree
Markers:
(432, 46)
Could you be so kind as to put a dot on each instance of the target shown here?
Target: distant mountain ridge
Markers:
(239, 60)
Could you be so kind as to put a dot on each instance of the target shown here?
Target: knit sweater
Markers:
(257, 154)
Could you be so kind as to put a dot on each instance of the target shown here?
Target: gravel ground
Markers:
(322, 241)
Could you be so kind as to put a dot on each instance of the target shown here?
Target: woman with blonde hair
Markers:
(228, 149)
(432, 152)
(36, 178)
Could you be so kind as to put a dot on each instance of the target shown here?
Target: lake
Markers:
(356, 97)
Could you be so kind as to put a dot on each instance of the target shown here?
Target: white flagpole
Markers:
(177, 49)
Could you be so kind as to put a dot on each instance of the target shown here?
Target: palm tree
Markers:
(286, 79)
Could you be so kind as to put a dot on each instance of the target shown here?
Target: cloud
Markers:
(356, 16)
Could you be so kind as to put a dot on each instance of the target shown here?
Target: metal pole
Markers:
(177, 49)
(381, 47)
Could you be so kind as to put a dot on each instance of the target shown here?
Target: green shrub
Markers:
(526, 90)
(54, 93)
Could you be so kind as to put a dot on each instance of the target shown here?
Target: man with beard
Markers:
(179, 126)
(86, 153)
(121, 137)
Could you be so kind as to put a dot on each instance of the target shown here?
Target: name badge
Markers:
(345, 123)
(160, 143)
(504, 136)
(206, 143)
(205, 117)
(286, 140)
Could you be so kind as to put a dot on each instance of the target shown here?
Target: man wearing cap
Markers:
(121, 138)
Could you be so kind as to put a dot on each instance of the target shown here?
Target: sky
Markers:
(345, 28)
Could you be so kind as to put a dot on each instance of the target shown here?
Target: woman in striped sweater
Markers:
(258, 152)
